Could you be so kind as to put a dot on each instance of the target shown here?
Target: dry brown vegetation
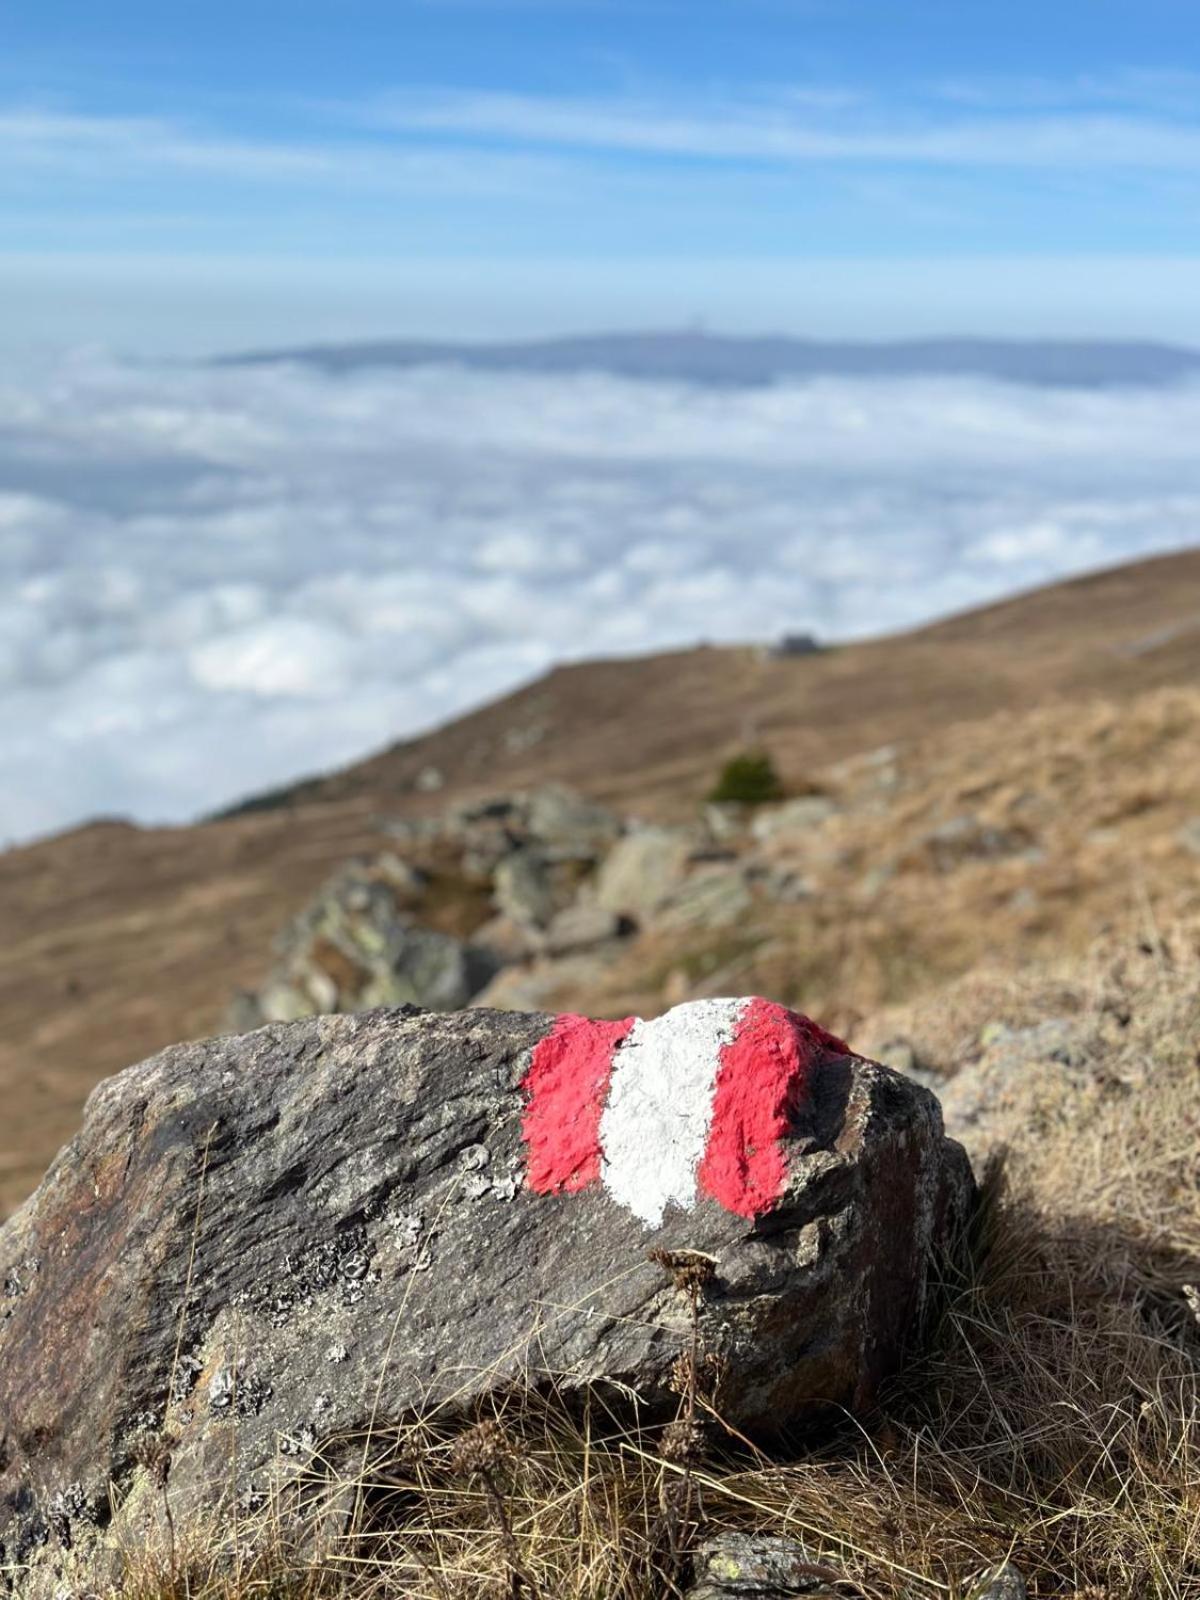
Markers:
(1087, 805)
(1054, 1416)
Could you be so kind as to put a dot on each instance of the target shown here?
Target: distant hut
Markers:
(792, 644)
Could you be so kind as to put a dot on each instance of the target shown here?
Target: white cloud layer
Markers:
(214, 581)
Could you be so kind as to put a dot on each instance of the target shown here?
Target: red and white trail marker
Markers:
(696, 1102)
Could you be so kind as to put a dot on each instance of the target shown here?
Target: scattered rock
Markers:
(902, 1054)
(570, 826)
(712, 897)
(759, 1566)
(997, 1583)
(643, 870)
(518, 740)
(262, 1203)
(876, 772)
(793, 817)
(410, 831)
(560, 823)
(508, 941)
(899, 1053)
(726, 819)
(780, 884)
(965, 838)
(581, 927)
(1189, 836)
(548, 983)
(358, 944)
(984, 1087)
(525, 890)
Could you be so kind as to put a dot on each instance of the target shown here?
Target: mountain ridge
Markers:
(693, 356)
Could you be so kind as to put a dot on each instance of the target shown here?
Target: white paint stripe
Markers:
(655, 1125)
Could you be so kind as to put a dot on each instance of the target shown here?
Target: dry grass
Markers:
(1054, 1416)
(1072, 821)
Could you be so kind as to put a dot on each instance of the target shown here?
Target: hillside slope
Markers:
(648, 732)
(119, 940)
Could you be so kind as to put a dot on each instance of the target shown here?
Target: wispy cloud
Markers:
(787, 130)
(36, 141)
(1159, 91)
(466, 141)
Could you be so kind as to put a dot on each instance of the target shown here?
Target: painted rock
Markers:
(269, 1245)
(704, 1101)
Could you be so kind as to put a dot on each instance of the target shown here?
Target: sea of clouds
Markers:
(213, 580)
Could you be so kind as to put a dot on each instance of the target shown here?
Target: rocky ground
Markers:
(1005, 846)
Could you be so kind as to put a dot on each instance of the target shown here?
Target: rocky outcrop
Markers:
(560, 825)
(489, 885)
(360, 944)
(260, 1249)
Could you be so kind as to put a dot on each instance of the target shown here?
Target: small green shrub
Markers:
(749, 778)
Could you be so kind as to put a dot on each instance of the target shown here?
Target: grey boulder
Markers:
(259, 1248)
(643, 870)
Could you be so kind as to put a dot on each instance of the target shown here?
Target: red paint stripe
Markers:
(764, 1076)
(567, 1084)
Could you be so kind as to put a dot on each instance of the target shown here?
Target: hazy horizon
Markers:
(182, 310)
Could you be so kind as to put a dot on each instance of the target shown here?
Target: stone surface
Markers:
(580, 927)
(235, 1211)
(782, 885)
(997, 1583)
(643, 870)
(525, 890)
(793, 817)
(966, 838)
(726, 819)
(987, 1083)
(548, 983)
(759, 1566)
(711, 897)
(562, 824)
(568, 823)
(507, 940)
(359, 944)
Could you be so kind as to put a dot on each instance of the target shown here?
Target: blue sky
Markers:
(180, 177)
